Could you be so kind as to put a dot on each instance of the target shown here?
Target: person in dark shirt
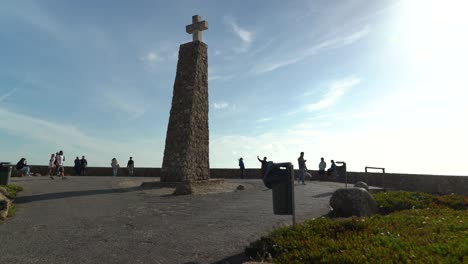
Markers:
(77, 166)
(332, 170)
(130, 166)
(22, 167)
(302, 168)
(83, 164)
(264, 165)
(241, 167)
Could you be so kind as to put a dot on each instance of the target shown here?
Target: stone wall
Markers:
(186, 153)
(392, 181)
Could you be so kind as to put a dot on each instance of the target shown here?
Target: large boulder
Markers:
(353, 202)
(362, 184)
(5, 204)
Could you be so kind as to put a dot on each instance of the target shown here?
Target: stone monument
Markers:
(186, 154)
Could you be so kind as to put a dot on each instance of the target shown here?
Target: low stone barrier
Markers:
(394, 181)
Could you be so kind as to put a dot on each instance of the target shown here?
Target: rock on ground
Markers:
(353, 202)
(362, 184)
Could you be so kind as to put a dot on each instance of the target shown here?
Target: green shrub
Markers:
(454, 201)
(434, 231)
(12, 190)
(416, 236)
(401, 200)
(12, 210)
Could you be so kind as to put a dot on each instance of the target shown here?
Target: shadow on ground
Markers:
(236, 259)
(61, 195)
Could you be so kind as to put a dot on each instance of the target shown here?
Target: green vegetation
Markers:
(414, 227)
(12, 210)
(12, 190)
(390, 202)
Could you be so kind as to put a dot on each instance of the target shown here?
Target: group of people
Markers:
(115, 167)
(80, 166)
(302, 168)
(56, 165)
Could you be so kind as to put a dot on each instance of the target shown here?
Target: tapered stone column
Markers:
(186, 155)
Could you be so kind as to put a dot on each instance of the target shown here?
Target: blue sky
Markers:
(373, 83)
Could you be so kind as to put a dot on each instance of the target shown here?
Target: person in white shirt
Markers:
(59, 163)
(115, 167)
(52, 164)
(322, 166)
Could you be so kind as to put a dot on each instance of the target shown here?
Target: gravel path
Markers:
(107, 220)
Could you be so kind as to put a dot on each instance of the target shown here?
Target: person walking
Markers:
(115, 167)
(241, 167)
(302, 168)
(77, 166)
(52, 164)
(60, 160)
(264, 165)
(84, 165)
(130, 166)
(22, 166)
(322, 166)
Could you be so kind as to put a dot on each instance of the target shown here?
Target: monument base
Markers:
(184, 185)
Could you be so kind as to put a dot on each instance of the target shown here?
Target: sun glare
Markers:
(435, 31)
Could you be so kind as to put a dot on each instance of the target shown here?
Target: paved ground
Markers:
(103, 220)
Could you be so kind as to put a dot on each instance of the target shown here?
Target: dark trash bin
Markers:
(279, 177)
(5, 173)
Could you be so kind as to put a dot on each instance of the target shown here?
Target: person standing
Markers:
(241, 167)
(264, 165)
(322, 166)
(22, 166)
(115, 167)
(84, 165)
(77, 166)
(60, 159)
(302, 168)
(130, 166)
(52, 164)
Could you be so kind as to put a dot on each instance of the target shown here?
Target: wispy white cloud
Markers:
(215, 77)
(336, 90)
(8, 94)
(225, 106)
(221, 105)
(263, 120)
(245, 35)
(295, 57)
(74, 141)
(151, 57)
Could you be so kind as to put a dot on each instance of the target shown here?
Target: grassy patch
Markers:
(435, 231)
(400, 200)
(12, 190)
(12, 210)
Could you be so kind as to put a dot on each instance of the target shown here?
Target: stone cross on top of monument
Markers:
(196, 27)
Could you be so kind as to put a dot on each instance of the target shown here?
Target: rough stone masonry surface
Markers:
(186, 154)
(99, 220)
